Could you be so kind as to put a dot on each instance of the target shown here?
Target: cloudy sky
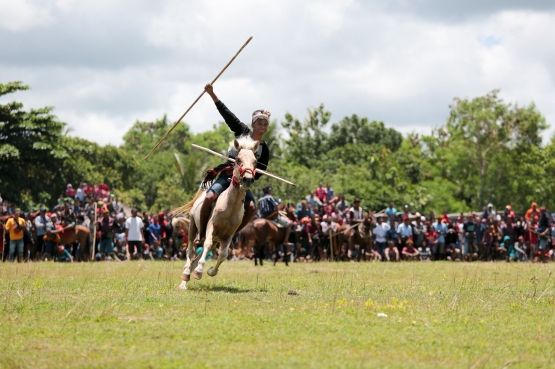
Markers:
(104, 64)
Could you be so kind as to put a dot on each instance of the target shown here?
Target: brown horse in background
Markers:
(78, 234)
(258, 233)
(81, 235)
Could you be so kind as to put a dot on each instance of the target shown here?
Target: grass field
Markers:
(477, 315)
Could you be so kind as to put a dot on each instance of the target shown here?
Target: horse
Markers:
(261, 231)
(81, 235)
(179, 223)
(226, 215)
(362, 236)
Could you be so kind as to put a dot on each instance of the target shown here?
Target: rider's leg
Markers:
(205, 208)
(287, 233)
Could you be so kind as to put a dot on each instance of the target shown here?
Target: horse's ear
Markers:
(236, 145)
(255, 147)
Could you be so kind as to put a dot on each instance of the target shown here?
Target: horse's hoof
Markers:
(211, 272)
(197, 275)
(182, 286)
(186, 277)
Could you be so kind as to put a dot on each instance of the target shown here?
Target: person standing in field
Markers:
(441, 231)
(330, 193)
(380, 231)
(404, 232)
(41, 222)
(418, 230)
(134, 234)
(107, 227)
(16, 226)
(391, 212)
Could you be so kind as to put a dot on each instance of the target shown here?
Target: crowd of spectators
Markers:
(325, 226)
(111, 233)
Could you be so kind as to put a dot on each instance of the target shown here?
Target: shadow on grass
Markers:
(228, 289)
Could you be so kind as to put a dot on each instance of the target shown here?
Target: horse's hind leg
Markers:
(286, 254)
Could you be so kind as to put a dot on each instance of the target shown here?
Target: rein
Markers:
(236, 182)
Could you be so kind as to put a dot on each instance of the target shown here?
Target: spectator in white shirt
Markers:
(134, 234)
(380, 231)
(404, 231)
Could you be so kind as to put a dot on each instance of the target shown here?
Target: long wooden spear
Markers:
(233, 160)
(198, 98)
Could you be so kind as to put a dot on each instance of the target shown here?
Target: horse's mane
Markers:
(245, 143)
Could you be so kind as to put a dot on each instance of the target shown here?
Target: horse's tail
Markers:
(185, 209)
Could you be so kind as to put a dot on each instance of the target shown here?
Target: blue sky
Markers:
(105, 64)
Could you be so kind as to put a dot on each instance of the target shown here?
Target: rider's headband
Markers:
(260, 116)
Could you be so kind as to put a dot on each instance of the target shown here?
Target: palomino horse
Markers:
(227, 212)
(180, 223)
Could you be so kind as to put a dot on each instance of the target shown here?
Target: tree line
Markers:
(486, 151)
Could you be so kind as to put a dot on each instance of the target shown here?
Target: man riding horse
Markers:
(269, 210)
(260, 122)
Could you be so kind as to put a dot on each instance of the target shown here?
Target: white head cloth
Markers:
(262, 115)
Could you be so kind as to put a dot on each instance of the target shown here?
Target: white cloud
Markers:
(107, 64)
(18, 16)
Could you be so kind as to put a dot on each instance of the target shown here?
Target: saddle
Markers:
(275, 223)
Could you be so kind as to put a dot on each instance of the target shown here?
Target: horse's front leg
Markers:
(191, 253)
(224, 251)
(208, 245)
(186, 275)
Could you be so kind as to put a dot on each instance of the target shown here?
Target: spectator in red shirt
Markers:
(409, 252)
(89, 191)
(70, 192)
(163, 223)
(445, 217)
(321, 192)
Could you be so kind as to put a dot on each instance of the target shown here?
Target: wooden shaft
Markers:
(332, 256)
(233, 160)
(198, 98)
(94, 235)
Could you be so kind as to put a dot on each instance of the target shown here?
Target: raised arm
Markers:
(230, 119)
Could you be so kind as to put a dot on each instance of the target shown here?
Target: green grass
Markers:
(477, 315)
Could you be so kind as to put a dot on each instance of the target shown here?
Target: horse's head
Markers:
(244, 169)
(367, 217)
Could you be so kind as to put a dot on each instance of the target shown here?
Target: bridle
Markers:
(236, 182)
